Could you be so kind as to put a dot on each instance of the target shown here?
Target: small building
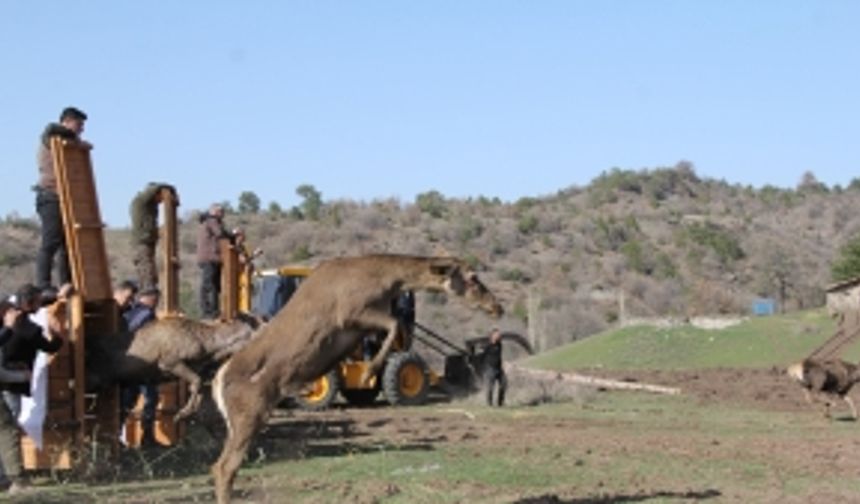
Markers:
(844, 296)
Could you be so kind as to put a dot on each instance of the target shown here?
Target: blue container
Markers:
(763, 307)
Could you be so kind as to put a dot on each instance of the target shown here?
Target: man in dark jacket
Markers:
(26, 339)
(144, 232)
(53, 244)
(493, 370)
(10, 434)
(140, 314)
(209, 235)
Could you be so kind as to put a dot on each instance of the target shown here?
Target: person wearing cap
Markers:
(10, 434)
(27, 338)
(246, 256)
(240, 243)
(53, 243)
(140, 314)
(209, 235)
(144, 231)
(123, 295)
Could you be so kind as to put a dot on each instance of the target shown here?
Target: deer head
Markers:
(458, 279)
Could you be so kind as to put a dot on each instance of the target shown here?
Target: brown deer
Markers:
(340, 302)
(829, 379)
(174, 347)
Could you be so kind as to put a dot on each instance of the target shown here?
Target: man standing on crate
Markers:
(53, 243)
(209, 236)
(142, 313)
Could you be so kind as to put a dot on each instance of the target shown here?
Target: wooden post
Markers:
(170, 253)
(536, 327)
(229, 280)
(77, 338)
(246, 285)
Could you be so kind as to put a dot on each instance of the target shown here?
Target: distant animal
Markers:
(827, 379)
(171, 347)
(331, 311)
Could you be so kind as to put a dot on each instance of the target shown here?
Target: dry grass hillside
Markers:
(660, 242)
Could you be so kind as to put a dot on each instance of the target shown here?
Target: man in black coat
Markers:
(10, 433)
(24, 341)
(493, 370)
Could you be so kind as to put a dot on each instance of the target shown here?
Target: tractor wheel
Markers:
(322, 392)
(406, 379)
(360, 397)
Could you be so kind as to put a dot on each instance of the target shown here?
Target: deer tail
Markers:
(796, 371)
(218, 394)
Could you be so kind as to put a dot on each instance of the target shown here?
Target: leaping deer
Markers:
(340, 302)
(826, 379)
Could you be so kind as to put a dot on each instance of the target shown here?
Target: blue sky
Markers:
(378, 99)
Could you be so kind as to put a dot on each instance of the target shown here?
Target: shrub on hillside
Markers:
(468, 229)
(847, 264)
(611, 234)
(432, 203)
(721, 241)
(528, 224)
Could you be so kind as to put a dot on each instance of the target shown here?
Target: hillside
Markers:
(631, 243)
(755, 343)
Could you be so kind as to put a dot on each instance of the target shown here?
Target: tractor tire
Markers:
(360, 397)
(322, 392)
(406, 379)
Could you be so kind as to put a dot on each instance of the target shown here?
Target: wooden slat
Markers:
(81, 219)
(229, 280)
(847, 332)
(170, 253)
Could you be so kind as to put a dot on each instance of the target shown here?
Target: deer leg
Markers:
(851, 405)
(392, 326)
(183, 372)
(243, 426)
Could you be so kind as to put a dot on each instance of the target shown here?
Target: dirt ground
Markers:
(458, 424)
(768, 389)
(550, 446)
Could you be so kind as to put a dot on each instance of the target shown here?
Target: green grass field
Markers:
(600, 448)
(619, 447)
(755, 343)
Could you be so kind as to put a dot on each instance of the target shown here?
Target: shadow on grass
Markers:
(183, 468)
(612, 499)
(327, 438)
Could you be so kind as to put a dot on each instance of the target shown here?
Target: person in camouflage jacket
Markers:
(144, 232)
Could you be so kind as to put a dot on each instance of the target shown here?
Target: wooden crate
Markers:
(167, 432)
(171, 396)
(57, 449)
